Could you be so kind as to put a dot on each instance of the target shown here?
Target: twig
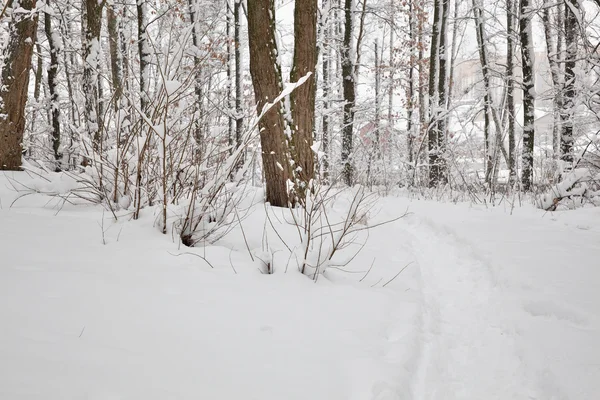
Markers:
(370, 268)
(395, 276)
(193, 254)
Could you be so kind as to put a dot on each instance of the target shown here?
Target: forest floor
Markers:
(494, 303)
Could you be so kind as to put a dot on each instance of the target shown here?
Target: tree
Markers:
(266, 79)
(571, 28)
(349, 94)
(302, 100)
(91, 26)
(510, 87)
(15, 82)
(527, 62)
(53, 84)
(437, 96)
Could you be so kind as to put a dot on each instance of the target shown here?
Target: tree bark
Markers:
(326, 90)
(144, 53)
(487, 98)
(349, 90)
(239, 120)
(53, 85)
(571, 29)
(15, 81)
(437, 101)
(510, 91)
(91, 26)
(266, 79)
(115, 56)
(303, 98)
(527, 62)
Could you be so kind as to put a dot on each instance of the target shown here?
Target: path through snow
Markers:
(510, 309)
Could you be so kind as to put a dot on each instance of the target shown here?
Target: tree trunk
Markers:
(144, 54)
(326, 90)
(437, 82)
(487, 97)
(303, 98)
(230, 78)
(349, 95)
(53, 86)
(571, 27)
(528, 93)
(115, 56)
(91, 26)
(15, 81)
(410, 94)
(510, 90)
(239, 90)
(266, 79)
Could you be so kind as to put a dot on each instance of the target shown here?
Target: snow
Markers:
(490, 303)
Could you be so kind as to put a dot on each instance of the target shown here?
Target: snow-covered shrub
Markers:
(578, 188)
(329, 227)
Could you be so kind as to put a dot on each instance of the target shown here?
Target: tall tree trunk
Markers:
(91, 26)
(326, 91)
(553, 60)
(571, 29)
(239, 90)
(53, 85)
(15, 81)
(115, 54)
(377, 144)
(487, 96)
(266, 79)
(349, 89)
(527, 63)
(437, 84)
(510, 90)
(390, 116)
(303, 98)
(230, 78)
(410, 95)
(144, 54)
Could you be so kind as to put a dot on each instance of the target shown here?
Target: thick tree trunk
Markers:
(303, 98)
(349, 89)
(53, 86)
(527, 62)
(15, 81)
(266, 79)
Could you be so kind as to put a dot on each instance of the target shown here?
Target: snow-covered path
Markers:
(509, 303)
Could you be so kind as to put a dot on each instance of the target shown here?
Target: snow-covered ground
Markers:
(494, 303)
